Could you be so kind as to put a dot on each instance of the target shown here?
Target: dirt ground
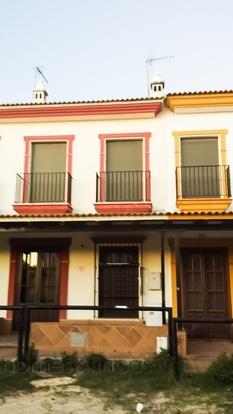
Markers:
(55, 397)
(63, 396)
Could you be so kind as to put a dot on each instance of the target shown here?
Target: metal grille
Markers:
(122, 185)
(203, 181)
(118, 280)
(43, 187)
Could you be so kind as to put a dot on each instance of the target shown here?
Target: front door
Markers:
(205, 293)
(37, 283)
(118, 280)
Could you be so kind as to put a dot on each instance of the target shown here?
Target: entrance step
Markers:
(201, 353)
(209, 348)
(8, 346)
(8, 341)
(198, 363)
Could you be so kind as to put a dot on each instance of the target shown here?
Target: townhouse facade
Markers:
(118, 204)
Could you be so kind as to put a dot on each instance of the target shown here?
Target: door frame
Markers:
(203, 250)
(62, 248)
(140, 266)
(19, 265)
(201, 241)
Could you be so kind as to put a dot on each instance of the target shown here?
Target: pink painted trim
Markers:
(64, 245)
(60, 110)
(123, 207)
(145, 136)
(147, 165)
(45, 208)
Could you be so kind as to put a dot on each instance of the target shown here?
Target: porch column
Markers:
(163, 273)
(178, 274)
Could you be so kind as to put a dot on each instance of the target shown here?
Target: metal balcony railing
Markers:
(114, 186)
(46, 187)
(203, 181)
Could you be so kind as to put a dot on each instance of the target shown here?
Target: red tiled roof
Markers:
(94, 215)
(98, 101)
(199, 93)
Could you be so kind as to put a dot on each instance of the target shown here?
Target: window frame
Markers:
(116, 243)
(45, 207)
(127, 206)
(203, 203)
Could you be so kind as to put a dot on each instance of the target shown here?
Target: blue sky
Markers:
(96, 49)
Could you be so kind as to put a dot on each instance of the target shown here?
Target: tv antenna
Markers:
(149, 64)
(37, 68)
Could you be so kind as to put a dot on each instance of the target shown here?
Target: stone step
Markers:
(198, 363)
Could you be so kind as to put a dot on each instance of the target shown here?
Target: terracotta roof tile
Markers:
(81, 102)
(94, 215)
(199, 93)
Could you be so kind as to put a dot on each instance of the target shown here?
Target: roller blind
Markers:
(199, 151)
(48, 157)
(124, 155)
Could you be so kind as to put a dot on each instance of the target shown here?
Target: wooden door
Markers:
(118, 280)
(37, 284)
(205, 293)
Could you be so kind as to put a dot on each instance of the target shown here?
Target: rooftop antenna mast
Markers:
(149, 64)
(41, 73)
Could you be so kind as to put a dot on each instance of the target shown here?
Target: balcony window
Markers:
(123, 184)
(123, 177)
(47, 184)
(202, 176)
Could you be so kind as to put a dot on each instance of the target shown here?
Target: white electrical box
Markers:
(154, 281)
(154, 318)
(161, 343)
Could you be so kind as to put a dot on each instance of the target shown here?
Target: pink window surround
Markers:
(46, 208)
(116, 207)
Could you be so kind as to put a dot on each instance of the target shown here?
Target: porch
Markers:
(116, 339)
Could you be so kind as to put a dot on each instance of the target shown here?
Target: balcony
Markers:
(123, 192)
(43, 193)
(203, 187)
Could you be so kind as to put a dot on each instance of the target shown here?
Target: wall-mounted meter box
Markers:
(154, 282)
(154, 318)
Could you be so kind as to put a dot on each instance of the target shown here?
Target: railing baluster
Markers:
(124, 186)
(203, 181)
(43, 187)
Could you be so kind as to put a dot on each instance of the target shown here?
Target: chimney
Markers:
(157, 87)
(39, 94)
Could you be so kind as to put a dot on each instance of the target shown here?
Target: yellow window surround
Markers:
(204, 203)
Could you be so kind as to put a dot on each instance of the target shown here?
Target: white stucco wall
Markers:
(86, 153)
